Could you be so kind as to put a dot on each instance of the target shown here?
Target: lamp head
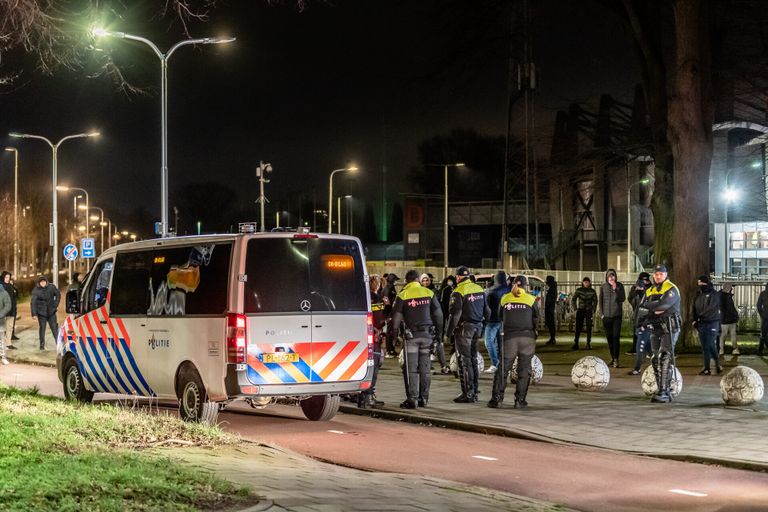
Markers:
(219, 40)
(352, 168)
(93, 134)
(460, 164)
(11, 149)
(17, 135)
(62, 188)
(730, 194)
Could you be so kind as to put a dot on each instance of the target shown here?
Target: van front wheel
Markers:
(320, 407)
(193, 400)
(74, 387)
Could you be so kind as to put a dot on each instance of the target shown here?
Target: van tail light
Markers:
(369, 324)
(236, 338)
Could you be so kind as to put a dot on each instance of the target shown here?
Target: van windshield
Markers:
(288, 276)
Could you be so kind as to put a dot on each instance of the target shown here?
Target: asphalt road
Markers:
(580, 478)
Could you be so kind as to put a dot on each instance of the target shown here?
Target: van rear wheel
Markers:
(74, 387)
(320, 407)
(193, 400)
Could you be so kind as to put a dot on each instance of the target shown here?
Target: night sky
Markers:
(358, 81)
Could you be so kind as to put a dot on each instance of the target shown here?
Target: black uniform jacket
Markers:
(519, 315)
(468, 305)
(419, 309)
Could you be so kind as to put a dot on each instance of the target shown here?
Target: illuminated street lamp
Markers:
(54, 235)
(445, 213)
(330, 193)
(15, 211)
(101, 32)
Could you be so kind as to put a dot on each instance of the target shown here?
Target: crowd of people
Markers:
(460, 314)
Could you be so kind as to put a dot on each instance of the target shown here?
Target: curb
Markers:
(528, 436)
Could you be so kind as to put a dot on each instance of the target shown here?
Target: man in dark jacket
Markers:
(762, 310)
(550, 302)
(390, 293)
(493, 326)
(44, 303)
(10, 319)
(584, 301)
(635, 297)
(418, 308)
(611, 300)
(706, 319)
(729, 316)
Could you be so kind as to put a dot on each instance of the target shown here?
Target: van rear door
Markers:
(278, 310)
(339, 298)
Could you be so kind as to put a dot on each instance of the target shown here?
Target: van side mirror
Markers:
(73, 301)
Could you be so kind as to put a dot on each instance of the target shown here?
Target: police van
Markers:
(211, 319)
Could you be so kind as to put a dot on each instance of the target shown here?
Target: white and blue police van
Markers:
(206, 320)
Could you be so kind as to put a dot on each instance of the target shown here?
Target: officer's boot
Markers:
(664, 379)
(464, 397)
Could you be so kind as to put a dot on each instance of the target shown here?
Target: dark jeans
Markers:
(763, 336)
(51, 321)
(708, 337)
(643, 346)
(549, 321)
(583, 316)
(613, 335)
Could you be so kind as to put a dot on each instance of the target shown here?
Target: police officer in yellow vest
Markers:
(660, 310)
(519, 313)
(468, 311)
(418, 307)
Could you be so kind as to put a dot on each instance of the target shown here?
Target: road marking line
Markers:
(688, 493)
(335, 431)
(483, 457)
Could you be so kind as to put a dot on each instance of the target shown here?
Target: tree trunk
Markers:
(691, 115)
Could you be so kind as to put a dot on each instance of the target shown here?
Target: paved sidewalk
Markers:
(697, 426)
(28, 345)
(289, 481)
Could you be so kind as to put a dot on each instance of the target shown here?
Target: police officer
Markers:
(468, 311)
(419, 309)
(661, 309)
(519, 313)
(378, 304)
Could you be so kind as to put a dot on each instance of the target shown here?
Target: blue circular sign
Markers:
(70, 252)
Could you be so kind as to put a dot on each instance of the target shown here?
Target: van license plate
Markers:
(280, 357)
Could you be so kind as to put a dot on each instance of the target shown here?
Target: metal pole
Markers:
(261, 198)
(629, 224)
(55, 219)
(725, 263)
(330, 202)
(338, 215)
(445, 226)
(164, 144)
(87, 227)
(15, 213)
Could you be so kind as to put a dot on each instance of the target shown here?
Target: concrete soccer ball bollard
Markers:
(454, 363)
(537, 370)
(590, 373)
(648, 382)
(741, 386)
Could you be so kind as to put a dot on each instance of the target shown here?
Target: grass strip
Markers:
(66, 456)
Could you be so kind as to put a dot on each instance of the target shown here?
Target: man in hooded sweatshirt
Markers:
(492, 333)
(550, 302)
(762, 310)
(729, 316)
(611, 299)
(584, 301)
(706, 319)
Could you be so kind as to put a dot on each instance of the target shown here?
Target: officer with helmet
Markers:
(420, 310)
(468, 311)
(660, 309)
(519, 313)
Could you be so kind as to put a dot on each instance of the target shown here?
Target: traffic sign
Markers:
(70, 252)
(88, 248)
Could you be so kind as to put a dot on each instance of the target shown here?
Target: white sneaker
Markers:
(433, 357)
(4, 361)
(490, 369)
(735, 352)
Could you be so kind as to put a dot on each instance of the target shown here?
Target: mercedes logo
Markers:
(305, 305)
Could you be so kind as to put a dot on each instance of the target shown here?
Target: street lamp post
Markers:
(15, 211)
(330, 194)
(163, 104)
(64, 188)
(54, 235)
(445, 214)
(643, 181)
